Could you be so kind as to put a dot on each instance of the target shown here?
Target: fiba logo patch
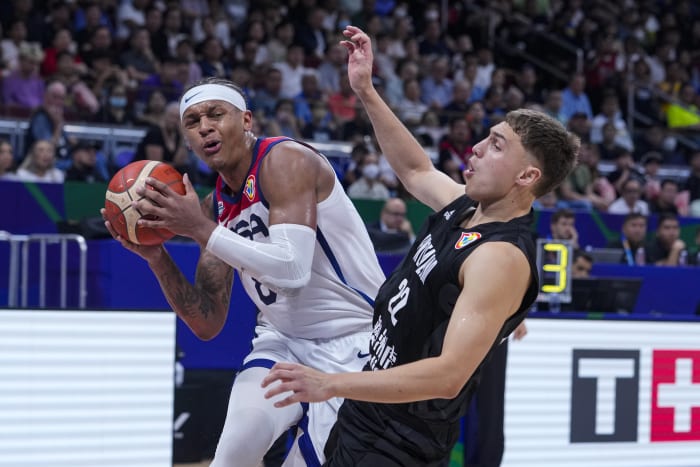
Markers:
(466, 238)
(250, 187)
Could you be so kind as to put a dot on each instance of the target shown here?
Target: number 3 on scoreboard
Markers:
(560, 268)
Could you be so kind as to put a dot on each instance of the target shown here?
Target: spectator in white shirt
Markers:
(40, 164)
(630, 201)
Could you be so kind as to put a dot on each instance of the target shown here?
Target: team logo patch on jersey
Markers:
(220, 207)
(466, 238)
(250, 187)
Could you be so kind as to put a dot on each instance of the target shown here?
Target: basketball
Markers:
(121, 192)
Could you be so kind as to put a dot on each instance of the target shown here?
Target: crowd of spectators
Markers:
(449, 69)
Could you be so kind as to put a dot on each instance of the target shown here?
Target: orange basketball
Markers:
(122, 191)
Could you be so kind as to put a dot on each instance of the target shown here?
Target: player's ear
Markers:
(529, 176)
(247, 120)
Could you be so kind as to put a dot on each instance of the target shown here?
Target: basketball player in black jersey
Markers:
(466, 283)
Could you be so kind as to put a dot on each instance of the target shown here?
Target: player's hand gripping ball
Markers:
(122, 191)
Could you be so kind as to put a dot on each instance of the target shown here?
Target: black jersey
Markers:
(411, 314)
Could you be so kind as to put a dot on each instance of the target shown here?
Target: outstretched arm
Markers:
(481, 309)
(406, 156)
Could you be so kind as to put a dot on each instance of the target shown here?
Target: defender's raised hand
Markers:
(360, 59)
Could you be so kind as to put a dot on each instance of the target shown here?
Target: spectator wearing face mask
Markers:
(369, 185)
(116, 109)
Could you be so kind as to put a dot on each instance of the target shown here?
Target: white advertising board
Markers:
(603, 393)
(86, 388)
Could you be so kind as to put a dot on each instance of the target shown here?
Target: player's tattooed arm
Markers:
(204, 305)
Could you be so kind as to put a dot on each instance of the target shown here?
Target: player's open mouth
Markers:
(468, 168)
(211, 147)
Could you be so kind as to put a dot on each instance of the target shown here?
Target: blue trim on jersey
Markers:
(258, 185)
(259, 363)
(215, 205)
(336, 266)
(305, 445)
(235, 199)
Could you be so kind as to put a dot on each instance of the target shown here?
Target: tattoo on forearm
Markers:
(209, 295)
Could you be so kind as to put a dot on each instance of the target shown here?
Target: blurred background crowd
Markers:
(625, 76)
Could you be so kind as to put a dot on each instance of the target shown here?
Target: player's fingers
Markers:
(156, 198)
(276, 374)
(293, 399)
(156, 184)
(189, 188)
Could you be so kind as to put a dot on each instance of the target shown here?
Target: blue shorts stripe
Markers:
(305, 445)
(259, 363)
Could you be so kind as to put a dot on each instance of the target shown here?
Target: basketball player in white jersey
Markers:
(280, 218)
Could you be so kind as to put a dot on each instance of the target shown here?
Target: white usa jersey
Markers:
(345, 273)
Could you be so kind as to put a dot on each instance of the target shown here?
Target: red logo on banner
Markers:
(675, 396)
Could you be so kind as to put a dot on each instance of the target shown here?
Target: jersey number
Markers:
(267, 296)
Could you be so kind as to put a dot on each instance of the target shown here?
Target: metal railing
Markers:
(19, 289)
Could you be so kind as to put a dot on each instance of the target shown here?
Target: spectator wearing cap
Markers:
(630, 201)
(84, 166)
(23, 88)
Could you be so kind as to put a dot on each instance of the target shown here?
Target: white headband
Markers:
(211, 92)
